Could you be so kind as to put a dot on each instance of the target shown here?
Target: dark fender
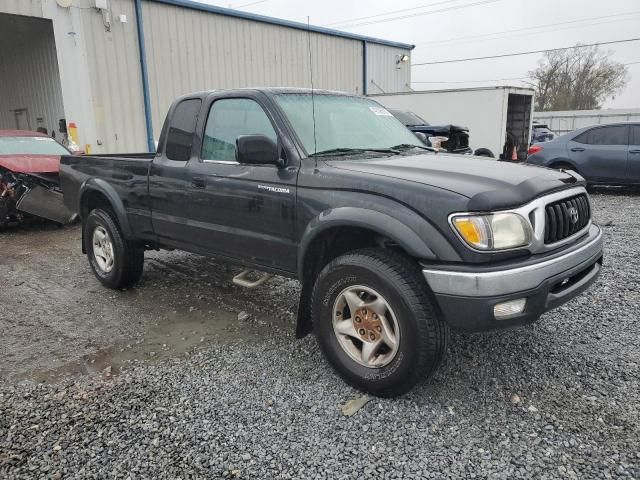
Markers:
(102, 187)
(382, 223)
(379, 222)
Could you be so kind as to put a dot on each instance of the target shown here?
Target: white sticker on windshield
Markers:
(42, 139)
(381, 111)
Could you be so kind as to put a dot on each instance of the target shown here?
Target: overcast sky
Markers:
(472, 28)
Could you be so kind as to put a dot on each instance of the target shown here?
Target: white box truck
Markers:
(498, 118)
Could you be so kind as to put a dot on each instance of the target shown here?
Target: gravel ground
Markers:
(559, 399)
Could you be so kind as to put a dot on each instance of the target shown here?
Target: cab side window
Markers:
(228, 119)
(612, 135)
(635, 135)
(182, 127)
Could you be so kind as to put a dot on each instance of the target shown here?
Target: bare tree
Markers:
(580, 78)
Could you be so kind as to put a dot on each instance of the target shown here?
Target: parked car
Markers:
(457, 137)
(29, 165)
(392, 245)
(602, 154)
(540, 133)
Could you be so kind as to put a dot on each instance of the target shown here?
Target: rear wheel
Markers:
(115, 261)
(376, 322)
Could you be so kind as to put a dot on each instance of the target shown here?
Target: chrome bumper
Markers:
(496, 282)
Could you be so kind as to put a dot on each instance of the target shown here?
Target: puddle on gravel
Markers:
(161, 341)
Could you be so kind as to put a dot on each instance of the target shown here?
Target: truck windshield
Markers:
(344, 123)
(31, 146)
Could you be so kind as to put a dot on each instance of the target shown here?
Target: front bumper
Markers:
(467, 295)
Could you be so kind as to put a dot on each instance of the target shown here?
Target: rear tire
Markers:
(377, 278)
(115, 261)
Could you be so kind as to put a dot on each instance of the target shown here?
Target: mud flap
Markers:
(304, 325)
(45, 203)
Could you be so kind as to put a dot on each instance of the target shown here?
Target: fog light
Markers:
(509, 309)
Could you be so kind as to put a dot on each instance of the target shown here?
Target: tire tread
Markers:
(405, 273)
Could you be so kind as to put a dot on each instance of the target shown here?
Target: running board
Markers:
(242, 281)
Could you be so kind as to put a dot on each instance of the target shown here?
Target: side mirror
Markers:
(423, 138)
(257, 150)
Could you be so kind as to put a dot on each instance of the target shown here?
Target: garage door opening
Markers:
(30, 88)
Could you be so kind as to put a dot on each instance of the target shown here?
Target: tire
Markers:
(484, 152)
(126, 257)
(420, 334)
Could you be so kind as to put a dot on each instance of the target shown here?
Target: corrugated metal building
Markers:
(114, 66)
(562, 122)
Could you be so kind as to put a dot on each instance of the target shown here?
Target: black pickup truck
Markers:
(393, 244)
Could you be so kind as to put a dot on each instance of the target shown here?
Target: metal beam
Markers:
(145, 76)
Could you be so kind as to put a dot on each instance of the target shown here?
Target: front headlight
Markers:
(493, 231)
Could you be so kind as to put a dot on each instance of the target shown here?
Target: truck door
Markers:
(245, 212)
(601, 153)
(168, 177)
(633, 160)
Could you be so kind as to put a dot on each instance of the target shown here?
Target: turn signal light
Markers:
(473, 230)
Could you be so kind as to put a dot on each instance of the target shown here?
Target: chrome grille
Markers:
(565, 218)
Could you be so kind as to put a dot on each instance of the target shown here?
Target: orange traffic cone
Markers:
(514, 154)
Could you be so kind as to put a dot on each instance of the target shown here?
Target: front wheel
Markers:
(115, 261)
(376, 322)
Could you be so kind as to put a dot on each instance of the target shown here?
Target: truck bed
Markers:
(123, 175)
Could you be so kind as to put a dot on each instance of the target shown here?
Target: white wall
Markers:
(187, 50)
(384, 73)
(483, 111)
(113, 62)
(73, 74)
(190, 50)
(29, 76)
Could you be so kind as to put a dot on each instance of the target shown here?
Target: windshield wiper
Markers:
(409, 146)
(337, 152)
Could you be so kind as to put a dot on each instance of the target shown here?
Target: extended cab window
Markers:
(181, 130)
(635, 135)
(613, 135)
(228, 119)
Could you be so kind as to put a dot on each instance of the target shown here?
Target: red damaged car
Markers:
(29, 185)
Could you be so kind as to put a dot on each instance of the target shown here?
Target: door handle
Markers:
(198, 182)
(577, 149)
(634, 151)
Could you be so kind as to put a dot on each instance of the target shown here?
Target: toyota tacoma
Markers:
(392, 243)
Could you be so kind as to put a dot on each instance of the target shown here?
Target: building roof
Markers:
(283, 23)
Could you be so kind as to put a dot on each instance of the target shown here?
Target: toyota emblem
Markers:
(574, 216)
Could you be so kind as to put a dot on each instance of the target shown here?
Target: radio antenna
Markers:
(313, 102)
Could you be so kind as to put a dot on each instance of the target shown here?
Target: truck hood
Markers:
(30, 163)
(489, 184)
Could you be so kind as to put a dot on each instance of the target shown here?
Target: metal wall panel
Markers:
(385, 74)
(29, 8)
(116, 86)
(29, 76)
(190, 50)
